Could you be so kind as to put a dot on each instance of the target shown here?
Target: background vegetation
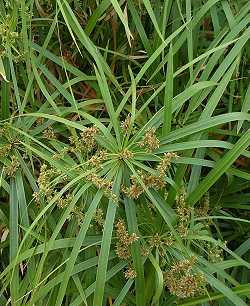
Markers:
(123, 152)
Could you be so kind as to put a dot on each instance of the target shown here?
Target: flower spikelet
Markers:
(150, 141)
(182, 282)
(124, 240)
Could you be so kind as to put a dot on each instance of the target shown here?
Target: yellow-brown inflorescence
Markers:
(203, 209)
(44, 183)
(61, 154)
(98, 158)
(63, 202)
(88, 137)
(125, 154)
(182, 281)
(5, 150)
(215, 253)
(77, 214)
(165, 163)
(12, 168)
(150, 142)
(149, 180)
(86, 142)
(124, 240)
(132, 192)
(125, 125)
(49, 133)
(130, 273)
(98, 218)
(184, 214)
(158, 241)
(102, 183)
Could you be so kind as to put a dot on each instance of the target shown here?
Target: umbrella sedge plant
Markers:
(124, 157)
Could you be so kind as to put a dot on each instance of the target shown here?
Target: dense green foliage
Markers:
(124, 157)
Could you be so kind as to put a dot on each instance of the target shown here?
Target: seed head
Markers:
(126, 154)
(130, 273)
(125, 125)
(49, 133)
(166, 162)
(11, 169)
(182, 282)
(97, 159)
(150, 141)
(124, 240)
(5, 150)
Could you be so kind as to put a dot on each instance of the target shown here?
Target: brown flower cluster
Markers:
(63, 202)
(203, 209)
(182, 281)
(98, 218)
(159, 241)
(77, 214)
(125, 125)
(98, 158)
(49, 133)
(44, 183)
(61, 154)
(125, 154)
(86, 142)
(12, 168)
(124, 240)
(130, 273)
(165, 163)
(150, 141)
(102, 183)
(88, 137)
(184, 214)
(133, 192)
(214, 253)
(149, 180)
(5, 150)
